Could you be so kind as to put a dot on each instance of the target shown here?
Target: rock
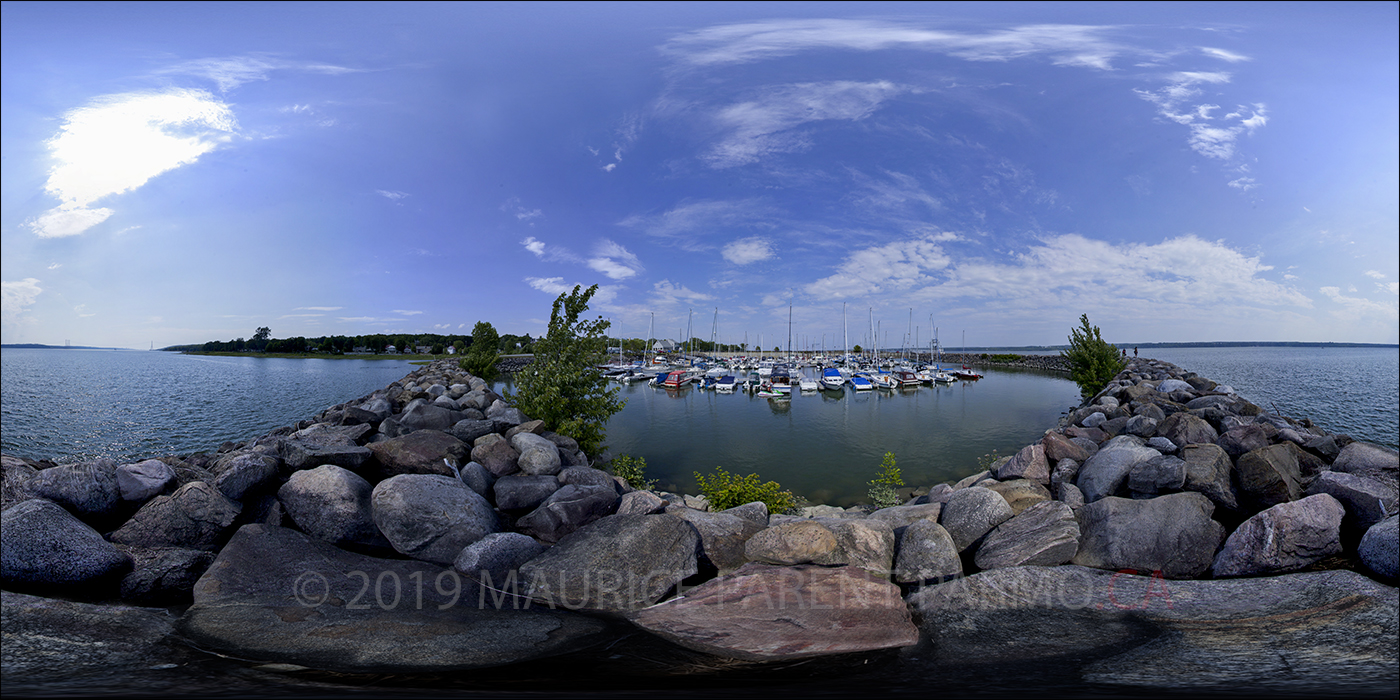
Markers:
(1380, 548)
(616, 564)
(299, 455)
(1093, 435)
(1208, 470)
(1269, 476)
(501, 411)
(767, 613)
(44, 547)
(494, 560)
(1324, 446)
(143, 480)
(1030, 463)
(430, 517)
(1070, 495)
(974, 479)
(1238, 441)
(196, 516)
(16, 473)
(1161, 474)
(1169, 386)
(478, 478)
(524, 491)
(1065, 472)
(535, 427)
(163, 576)
(926, 553)
(1020, 494)
(901, 517)
(1327, 632)
(495, 453)
(1162, 445)
(246, 474)
(332, 504)
(586, 476)
(53, 643)
(426, 416)
(88, 489)
(1045, 534)
(379, 406)
(1367, 500)
(276, 595)
(420, 452)
(1141, 426)
(722, 536)
(537, 455)
(1171, 534)
(1186, 429)
(1094, 420)
(973, 512)
(1286, 537)
(868, 544)
(1366, 459)
(1106, 473)
(801, 542)
(640, 503)
(1058, 447)
(468, 430)
(567, 510)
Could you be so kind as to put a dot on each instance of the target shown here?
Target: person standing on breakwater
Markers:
(1134, 352)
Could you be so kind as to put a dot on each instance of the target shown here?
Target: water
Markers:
(69, 405)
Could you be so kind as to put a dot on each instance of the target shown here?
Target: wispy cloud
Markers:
(1213, 137)
(82, 311)
(1070, 45)
(897, 266)
(748, 250)
(231, 71)
(554, 286)
(1357, 308)
(668, 293)
(318, 308)
(763, 126)
(392, 195)
(1224, 55)
(521, 213)
(691, 222)
(404, 312)
(548, 251)
(55, 266)
(614, 261)
(16, 297)
(1375, 274)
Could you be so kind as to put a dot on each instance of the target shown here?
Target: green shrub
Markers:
(883, 493)
(633, 469)
(724, 490)
(985, 462)
(1006, 357)
(482, 355)
(1093, 361)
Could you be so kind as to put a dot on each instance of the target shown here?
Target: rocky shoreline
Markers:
(1167, 534)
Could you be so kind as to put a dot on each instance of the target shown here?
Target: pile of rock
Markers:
(449, 531)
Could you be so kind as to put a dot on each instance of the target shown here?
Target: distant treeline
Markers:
(377, 344)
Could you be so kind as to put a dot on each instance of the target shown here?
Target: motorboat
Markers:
(675, 380)
(905, 377)
(832, 379)
(967, 373)
(726, 384)
(781, 379)
(808, 384)
(861, 382)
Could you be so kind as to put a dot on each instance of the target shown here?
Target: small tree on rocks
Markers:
(481, 356)
(562, 387)
(883, 493)
(1093, 361)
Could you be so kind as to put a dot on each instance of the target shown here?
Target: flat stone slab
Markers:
(775, 613)
(276, 595)
(48, 640)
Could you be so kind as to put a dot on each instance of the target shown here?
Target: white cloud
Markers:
(666, 293)
(614, 260)
(231, 71)
(117, 143)
(1244, 183)
(403, 312)
(300, 316)
(554, 286)
(1071, 45)
(534, 246)
(360, 319)
(1224, 55)
(391, 195)
(513, 206)
(15, 297)
(318, 308)
(1376, 274)
(55, 266)
(82, 312)
(891, 267)
(748, 250)
(759, 127)
(1394, 287)
(690, 222)
(1356, 308)
(1210, 136)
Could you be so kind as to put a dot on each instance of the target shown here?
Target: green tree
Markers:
(482, 355)
(1093, 361)
(562, 387)
(724, 491)
(857, 350)
(882, 487)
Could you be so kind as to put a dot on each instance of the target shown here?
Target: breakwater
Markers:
(453, 533)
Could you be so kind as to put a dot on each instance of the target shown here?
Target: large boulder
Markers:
(800, 542)
(1186, 429)
(495, 453)
(140, 481)
(567, 510)
(52, 644)
(866, 543)
(247, 474)
(88, 489)
(1208, 470)
(164, 575)
(1161, 474)
(276, 595)
(426, 416)
(1106, 473)
(1379, 548)
(494, 560)
(1045, 534)
(617, 564)
(1367, 459)
(901, 517)
(1269, 476)
(537, 454)
(1173, 535)
(1030, 463)
(196, 516)
(722, 536)
(1286, 537)
(430, 517)
(1058, 447)
(324, 444)
(971, 513)
(332, 504)
(43, 547)
(424, 451)
(926, 553)
(469, 429)
(524, 491)
(1368, 500)
(768, 613)
(1020, 494)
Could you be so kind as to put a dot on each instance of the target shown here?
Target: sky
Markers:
(178, 173)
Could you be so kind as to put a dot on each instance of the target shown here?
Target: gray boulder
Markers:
(501, 411)
(1208, 470)
(798, 542)
(88, 489)
(868, 544)
(163, 576)
(641, 503)
(537, 454)
(1106, 473)
(1286, 537)
(901, 517)
(617, 564)
(468, 430)
(524, 491)
(425, 451)
(567, 510)
(1162, 445)
(1186, 429)
(971, 513)
(430, 517)
(1366, 459)
(586, 476)
(275, 595)
(494, 560)
(1141, 426)
(196, 516)
(722, 536)
(1269, 476)
(478, 478)
(495, 453)
(1246, 438)
(143, 480)
(1367, 500)
(1161, 474)
(1058, 447)
(426, 416)
(248, 473)
(1045, 534)
(51, 643)
(1173, 535)
(926, 553)
(1030, 463)
(332, 504)
(1020, 494)
(14, 474)
(1380, 548)
(43, 546)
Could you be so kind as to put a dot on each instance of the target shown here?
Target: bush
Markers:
(1093, 362)
(633, 469)
(1005, 357)
(883, 492)
(481, 358)
(724, 491)
(562, 387)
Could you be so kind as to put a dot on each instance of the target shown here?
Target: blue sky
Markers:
(1179, 172)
